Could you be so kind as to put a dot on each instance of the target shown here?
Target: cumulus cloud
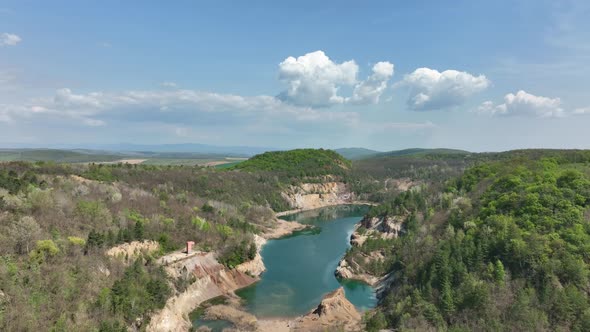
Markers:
(524, 104)
(434, 90)
(9, 39)
(369, 91)
(314, 80)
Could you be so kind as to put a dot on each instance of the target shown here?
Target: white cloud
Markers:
(369, 91)
(433, 90)
(524, 104)
(9, 39)
(315, 80)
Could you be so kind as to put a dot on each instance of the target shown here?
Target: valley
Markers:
(279, 236)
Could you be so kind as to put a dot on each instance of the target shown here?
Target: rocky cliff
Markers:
(208, 279)
(334, 313)
(307, 196)
(211, 279)
(350, 267)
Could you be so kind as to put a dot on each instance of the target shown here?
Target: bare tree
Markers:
(23, 233)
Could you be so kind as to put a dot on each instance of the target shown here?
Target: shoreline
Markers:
(255, 268)
(294, 211)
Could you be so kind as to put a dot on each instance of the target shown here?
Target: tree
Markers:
(499, 273)
(23, 233)
(447, 304)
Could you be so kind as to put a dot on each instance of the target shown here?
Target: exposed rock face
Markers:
(212, 279)
(335, 312)
(130, 251)
(242, 320)
(309, 196)
(346, 271)
(387, 227)
(375, 227)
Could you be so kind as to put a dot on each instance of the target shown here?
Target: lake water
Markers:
(300, 268)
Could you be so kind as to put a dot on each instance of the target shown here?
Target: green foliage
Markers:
(225, 231)
(44, 249)
(376, 322)
(93, 212)
(99, 172)
(237, 254)
(138, 293)
(76, 241)
(11, 181)
(298, 163)
(514, 259)
(207, 208)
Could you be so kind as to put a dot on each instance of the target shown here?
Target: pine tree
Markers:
(447, 304)
(499, 273)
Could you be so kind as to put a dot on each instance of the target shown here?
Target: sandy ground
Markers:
(283, 228)
(216, 163)
(275, 325)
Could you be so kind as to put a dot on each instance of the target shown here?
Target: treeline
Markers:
(503, 248)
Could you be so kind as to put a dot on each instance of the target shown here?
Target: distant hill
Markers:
(356, 153)
(300, 162)
(129, 148)
(422, 152)
(102, 156)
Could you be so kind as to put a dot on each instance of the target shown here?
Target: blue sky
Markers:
(477, 75)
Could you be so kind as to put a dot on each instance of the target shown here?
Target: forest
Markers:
(503, 247)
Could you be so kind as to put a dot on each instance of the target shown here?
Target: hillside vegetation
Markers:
(297, 163)
(503, 247)
(57, 222)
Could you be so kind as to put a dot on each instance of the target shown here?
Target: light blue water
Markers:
(300, 268)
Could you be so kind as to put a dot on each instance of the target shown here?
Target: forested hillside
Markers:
(58, 221)
(503, 247)
(298, 163)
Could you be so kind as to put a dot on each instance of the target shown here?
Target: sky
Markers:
(386, 75)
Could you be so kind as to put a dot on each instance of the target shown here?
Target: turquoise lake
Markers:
(300, 268)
